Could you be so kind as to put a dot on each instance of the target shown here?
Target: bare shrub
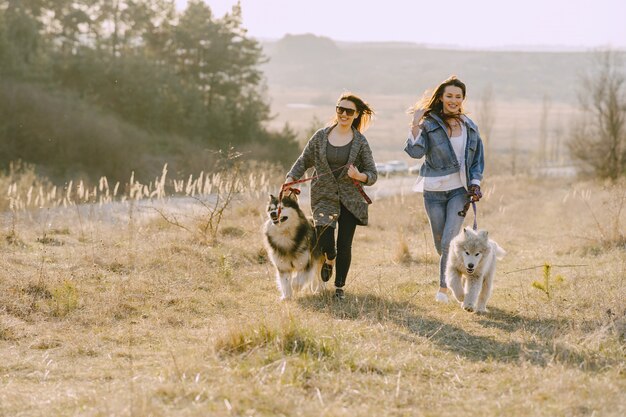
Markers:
(215, 194)
(599, 136)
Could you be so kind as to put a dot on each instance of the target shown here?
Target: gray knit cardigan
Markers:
(327, 191)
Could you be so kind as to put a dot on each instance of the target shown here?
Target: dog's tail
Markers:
(498, 250)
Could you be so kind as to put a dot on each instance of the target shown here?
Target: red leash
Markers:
(287, 187)
(359, 187)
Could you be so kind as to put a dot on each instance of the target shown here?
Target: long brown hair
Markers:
(365, 111)
(434, 104)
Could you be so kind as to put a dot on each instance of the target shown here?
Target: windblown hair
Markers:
(434, 104)
(363, 120)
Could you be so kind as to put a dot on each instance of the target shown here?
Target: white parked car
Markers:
(383, 169)
(415, 169)
(398, 167)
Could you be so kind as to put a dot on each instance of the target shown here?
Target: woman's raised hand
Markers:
(417, 116)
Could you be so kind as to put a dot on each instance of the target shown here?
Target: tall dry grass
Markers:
(25, 190)
(193, 327)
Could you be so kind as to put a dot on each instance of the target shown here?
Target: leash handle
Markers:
(359, 187)
(466, 207)
(475, 226)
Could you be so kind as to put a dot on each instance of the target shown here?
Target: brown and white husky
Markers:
(291, 244)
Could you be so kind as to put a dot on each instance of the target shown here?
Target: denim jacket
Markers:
(434, 143)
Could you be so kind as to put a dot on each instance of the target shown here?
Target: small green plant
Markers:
(546, 286)
(64, 299)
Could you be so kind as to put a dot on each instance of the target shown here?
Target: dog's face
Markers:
(473, 247)
(289, 209)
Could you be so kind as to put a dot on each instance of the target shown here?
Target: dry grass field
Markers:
(138, 317)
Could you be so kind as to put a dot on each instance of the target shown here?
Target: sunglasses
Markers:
(348, 112)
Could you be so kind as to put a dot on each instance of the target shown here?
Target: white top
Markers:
(456, 179)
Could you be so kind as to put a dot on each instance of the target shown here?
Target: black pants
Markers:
(346, 226)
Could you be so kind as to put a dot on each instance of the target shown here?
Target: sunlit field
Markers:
(143, 314)
(140, 141)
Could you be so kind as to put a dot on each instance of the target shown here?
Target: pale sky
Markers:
(466, 23)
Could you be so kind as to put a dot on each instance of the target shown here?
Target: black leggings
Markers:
(346, 225)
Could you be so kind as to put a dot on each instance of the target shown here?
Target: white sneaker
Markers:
(441, 297)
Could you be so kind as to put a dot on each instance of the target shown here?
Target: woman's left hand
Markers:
(474, 192)
(354, 173)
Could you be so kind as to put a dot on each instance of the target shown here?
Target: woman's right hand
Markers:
(417, 116)
(415, 128)
(287, 188)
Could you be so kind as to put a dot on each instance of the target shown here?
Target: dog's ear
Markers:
(467, 231)
(483, 234)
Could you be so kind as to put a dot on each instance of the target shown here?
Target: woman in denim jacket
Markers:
(453, 166)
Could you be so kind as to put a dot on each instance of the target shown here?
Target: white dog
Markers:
(292, 247)
(471, 267)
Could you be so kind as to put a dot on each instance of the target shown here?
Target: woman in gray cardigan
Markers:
(343, 162)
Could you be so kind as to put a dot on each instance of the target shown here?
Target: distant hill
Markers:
(402, 68)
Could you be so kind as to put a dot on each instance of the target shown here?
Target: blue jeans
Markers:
(442, 208)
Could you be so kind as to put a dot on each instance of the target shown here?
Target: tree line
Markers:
(103, 87)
